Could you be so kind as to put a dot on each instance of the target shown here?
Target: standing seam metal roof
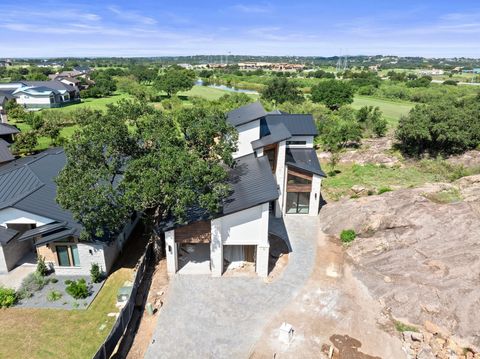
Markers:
(297, 124)
(245, 114)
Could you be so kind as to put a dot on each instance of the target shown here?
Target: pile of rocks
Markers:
(432, 344)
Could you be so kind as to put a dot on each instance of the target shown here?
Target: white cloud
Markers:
(132, 16)
(259, 9)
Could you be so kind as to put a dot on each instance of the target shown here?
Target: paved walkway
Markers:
(206, 317)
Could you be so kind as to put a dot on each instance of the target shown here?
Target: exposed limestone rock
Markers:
(421, 258)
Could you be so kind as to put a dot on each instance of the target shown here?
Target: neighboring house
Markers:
(70, 81)
(35, 95)
(6, 63)
(32, 223)
(277, 172)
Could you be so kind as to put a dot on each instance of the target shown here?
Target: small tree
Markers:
(372, 121)
(333, 93)
(175, 79)
(95, 273)
(42, 268)
(336, 131)
(25, 141)
(280, 90)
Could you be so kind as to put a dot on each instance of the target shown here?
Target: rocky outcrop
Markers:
(419, 257)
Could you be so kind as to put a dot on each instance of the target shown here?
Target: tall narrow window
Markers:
(63, 257)
(75, 256)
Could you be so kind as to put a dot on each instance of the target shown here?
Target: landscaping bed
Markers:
(54, 294)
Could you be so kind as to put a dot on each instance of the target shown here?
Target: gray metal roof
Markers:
(304, 159)
(28, 184)
(245, 114)
(16, 184)
(252, 184)
(298, 124)
(278, 132)
(7, 234)
(52, 84)
(31, 233)
(6, 129)
(5, 154)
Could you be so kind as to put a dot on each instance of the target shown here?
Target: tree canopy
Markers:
(443, 127)
(167, 163)
(175, 79)
(333, 93)
(280, 90)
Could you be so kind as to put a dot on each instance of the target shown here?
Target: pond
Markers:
(227, 88)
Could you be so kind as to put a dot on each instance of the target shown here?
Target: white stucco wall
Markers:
(247, 227)
(315, 195)
(280, 177)
(171, 248)
(246, 134)
(307, 139)
(33, 100)
(13, 215)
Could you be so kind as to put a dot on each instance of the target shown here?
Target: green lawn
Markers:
(392, 110)
(375, 178)
(94, 103)
(58, 333)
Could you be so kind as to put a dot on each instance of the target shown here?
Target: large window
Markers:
(298, 202)
(296, 143)
(68, 256)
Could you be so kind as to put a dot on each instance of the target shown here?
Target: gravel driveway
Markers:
(206, 317)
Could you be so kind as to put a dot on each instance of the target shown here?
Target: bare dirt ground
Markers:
(333, 309)
(148, 322)
(418, 252)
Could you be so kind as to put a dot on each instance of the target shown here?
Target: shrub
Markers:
(384, 189)
(42, 268)
(347, 235)
(401, 327)
(8, 297)
(95, 273)
(77, 289)
(54, 295)
(31, 283)
(53, 280)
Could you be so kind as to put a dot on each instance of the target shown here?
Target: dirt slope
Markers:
(418, 255)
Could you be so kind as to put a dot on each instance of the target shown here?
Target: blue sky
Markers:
(440, 28)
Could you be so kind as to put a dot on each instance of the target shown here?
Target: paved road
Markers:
(206, 317)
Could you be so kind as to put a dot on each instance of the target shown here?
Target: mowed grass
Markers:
(392, 111)
(57, 333)
(94, 103)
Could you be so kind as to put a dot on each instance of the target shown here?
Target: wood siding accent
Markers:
(198, 232)
(303, 175)
(299, 187)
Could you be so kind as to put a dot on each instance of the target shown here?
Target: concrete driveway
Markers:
(206, 317)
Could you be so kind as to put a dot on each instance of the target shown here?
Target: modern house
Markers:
(35, 95)
(277, 173)
(32, 223)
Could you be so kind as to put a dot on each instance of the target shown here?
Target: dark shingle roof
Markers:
(252, 184)
(7, 234)
(304, 159)
(278, 132)
(6, 129)
(28, 184)
(245, 114)
(298, 125)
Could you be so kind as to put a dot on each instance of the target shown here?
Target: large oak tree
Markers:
(161, 164)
